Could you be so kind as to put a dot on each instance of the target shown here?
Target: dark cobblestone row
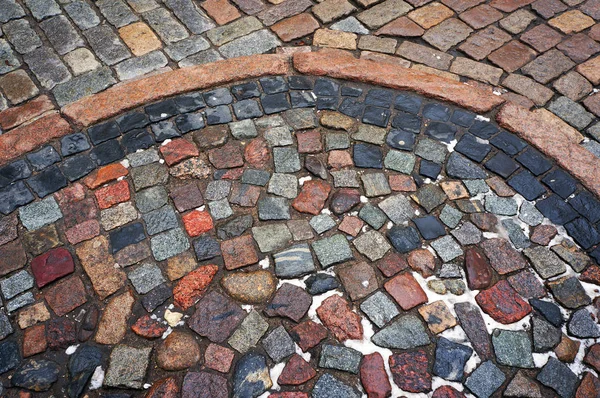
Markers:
(203, 245)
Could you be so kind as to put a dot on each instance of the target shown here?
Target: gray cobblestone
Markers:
(241, 27)
(139, 66)
(195, 20)
(165, 25)
(8, 61)
(186, 47)
(255, 43)
(116, 12)
(9, 9)
(87, 84)
(22, 36)
(106, 44)
(571, 112)
(47, 67)
(203, 57)
(142, 5)
(82, 14)
(81, 60)
(41, 9)
(62, 34)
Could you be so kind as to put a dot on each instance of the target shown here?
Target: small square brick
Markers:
(218, 358)
(573, 85)
(351, 225)
(476, 70)
(510, 5)
(187, 197)
(197, 222)
(548, 8)
(309, 141)
(462, 5)
(479, 45)
(447, 34)
(18, 86)
(542, 38)
(430, 15)
(518, 21)
(178, 150)
(481, 16)
(377, 44)
(579, 47)
(295, 27)
(113, 194)
(34, 340)
(402, 27)
(538, 93)
(139, 38)
(571, 22)
(222, 11)
(65, 296)
(512, 56)
(402, 183)
(591, 70)
(239, 252)
(227, 157)
(330, 10)
(548, 66)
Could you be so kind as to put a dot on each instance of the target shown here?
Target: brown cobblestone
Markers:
(512, 56)
(480, 44)
(573, 85)
(295, 27)
(402, 27)
(476, 70)
(481, 16)
(430, 15)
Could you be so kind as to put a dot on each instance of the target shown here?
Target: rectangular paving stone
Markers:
(186, 47)
(169, 29)
(82, 14)
(283, 10)
(531, 89)
(22, 36)
(203, 57)
(332, 250)
(81, 86)
(9, 9)
(47, 67)
(255, 43)
(106, 44)
(16, 284)
(41, 9)
(425, 55)
(226, 33)
(169, 244)
(62, 34)
(39, 214)
(139, 66)
(8, 60)
(20, 302)
(116, 12)
(380, 14)
(476, 70)
(192, 17)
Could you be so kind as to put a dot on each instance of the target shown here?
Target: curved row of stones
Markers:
(297, 237)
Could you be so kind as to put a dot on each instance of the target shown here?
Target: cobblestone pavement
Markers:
(540, 53)
(297, 237)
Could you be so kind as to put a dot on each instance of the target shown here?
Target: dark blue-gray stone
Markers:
(133, 120)
(206, 247)
(472, 148)
(508, 143)
(251, 376)
(502, 165)
(379, 97)
(485, 380)
(82, 365)
(156, 297)
(74, 143)
(294, 262)
(77, 166)
(104, 132)
(549, 310)
(247, 109)
(583, 232)
(36, 375)
(404, 239)
(430, 227)
(219, 115)
(128, 235)
(218, 96)
(161, 110)
(14, 171)
(459, 166)
(587, 205)
(326, 87)
(107, 152)
(43, 158)
(245, 91)
(190, 102)
(137, 139)
(273, 85)
(556, 210)
(164, 130)
(483, 129)
(534, 161)
(275, 103)
(401, 139)
(437, 112)
(300, 83)
(9, 356)
(408, 103)
(582, 325)
(376, 116)
(47, 181)
(14, 196)
(450, 359)
(527, 185)
(441, 131)
(340, 358)
(545, 336)
(189, 122)
(559, 377)
(560, 183)
(235, 227)
(320, 283)
(329, 387)
(368, 156)
(407, 122)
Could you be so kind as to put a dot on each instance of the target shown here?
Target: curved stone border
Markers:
(545, 131)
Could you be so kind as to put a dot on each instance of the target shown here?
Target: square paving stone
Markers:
(430, 227)
(467, 234)
(559, 377)
(151, 199)
(560, 183)
(74, 143)
(376, 116)
(133, 120)
(243, 129)
(189, 122)
(273, 208)
(245, 90)
(587, 205)
(47, 181)
(256, 177)
(447, 248)
(569, 292)
(285, 185)
(401, 139)
(136, 140)
(249, 333)
(16, 284)
(380, 309)
(376, 184)
(534, 161)
(372, 216)
(450, 216)
(431, 150)
(472, 147)
(430, 169)
(218, 115)
(404, 239)
(485, 380)
(513, 348)
(160, 220)
(278, 344)
(126, 236)
(77, 167)
(275, 103)
(217, 190)
(271, 237)
(294, 262)
(372, 244)
(322, 223)
(368, 156)
(145, 278)
(273, 85)
(206, 247)
(164, 130)
(527, 185)
(169, 244)
(407, 122)
(337, 141)
(429, 197)
(340, 358)
(286, 160)
(300, 229)
(402, 162)
(508, 143)
(39, 214)
(501, 165)
(546, 263)
(127, 367)
(279, 136)
(247, 109)
(219, 96)
(332, 250)
(345, 179)
(43, 158)
(190, 102)
(220, 209)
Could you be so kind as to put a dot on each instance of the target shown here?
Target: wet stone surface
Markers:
(300, 253)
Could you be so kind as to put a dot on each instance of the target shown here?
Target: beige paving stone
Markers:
(139, 38)
(377, 44)
(335, 39)
(430, 15)
(81, 60)
(571, 21)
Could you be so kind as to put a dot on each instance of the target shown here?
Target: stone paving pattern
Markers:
(538, 53)
(297, 237)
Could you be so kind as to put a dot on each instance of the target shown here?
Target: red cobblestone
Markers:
(178, 150)
(312, 197)
(197, 222)
(407, 292)
(113, 194)
(105, 175)
(502, 303)
(336, 315)
(239, 252)
(193, 286)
